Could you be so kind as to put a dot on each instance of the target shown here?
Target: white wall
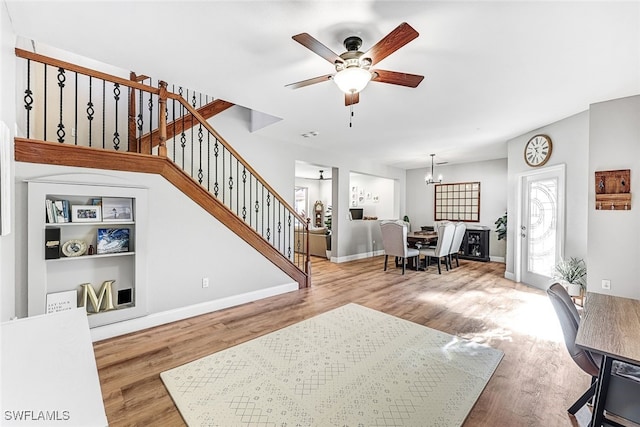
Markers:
(570, 138)
(613, 248)
(185, 244)
(492, 176)
(8, 116)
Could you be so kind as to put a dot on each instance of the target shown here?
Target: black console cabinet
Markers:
(475, 245)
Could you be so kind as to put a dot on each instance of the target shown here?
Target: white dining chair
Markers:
(394, 241)
(442, 249)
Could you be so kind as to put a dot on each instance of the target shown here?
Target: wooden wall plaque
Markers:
(613, 190)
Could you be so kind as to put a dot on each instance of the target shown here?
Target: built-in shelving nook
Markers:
(57, 276)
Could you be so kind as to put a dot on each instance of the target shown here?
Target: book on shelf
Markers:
(49, 208)
(58, 211)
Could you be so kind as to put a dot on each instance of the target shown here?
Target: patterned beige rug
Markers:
(352, 366)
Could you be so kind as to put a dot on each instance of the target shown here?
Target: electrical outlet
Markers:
(205, 282)
(606, 284)
(73, 131)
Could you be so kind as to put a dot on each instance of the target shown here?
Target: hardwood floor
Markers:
(533, 386)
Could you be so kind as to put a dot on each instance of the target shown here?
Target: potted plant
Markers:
(572, 274)
(501, 227)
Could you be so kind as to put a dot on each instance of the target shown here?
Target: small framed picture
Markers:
(85, 213)
(117, 209)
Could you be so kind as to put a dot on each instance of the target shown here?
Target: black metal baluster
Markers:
(208, 161)
(216, 150)
(75, 119)
(268, 216)
(262, 208)
(61, 79)
(289, 239)
(230, 181)
(140, 117)
(116, 134)
(237, 187)
(279, 227)
(244, 193)
(90, 110)
(200, 175)
(192, 144)
(46, 103)
(183, 138)
(104, 112)
(257, 207)
(28, 98)
(223, 174)
(250, 196)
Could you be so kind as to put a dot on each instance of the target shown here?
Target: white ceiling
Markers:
(493, 70)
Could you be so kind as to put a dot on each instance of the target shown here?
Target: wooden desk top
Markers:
(611, 325)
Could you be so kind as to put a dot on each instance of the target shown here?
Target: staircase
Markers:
(131, 126)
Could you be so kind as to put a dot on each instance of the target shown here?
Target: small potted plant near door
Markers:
(572, 274)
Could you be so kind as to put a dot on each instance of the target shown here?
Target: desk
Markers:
(609, 326)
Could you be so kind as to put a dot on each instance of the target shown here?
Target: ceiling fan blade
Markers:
(316, 47)
(393, 41)
(308, 82)
(396, 78)
(351, 98)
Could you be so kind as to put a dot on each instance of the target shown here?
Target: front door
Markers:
(541, 227)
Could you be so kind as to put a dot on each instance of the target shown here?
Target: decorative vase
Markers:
(574, 290)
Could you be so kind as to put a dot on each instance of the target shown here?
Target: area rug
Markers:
(352, 366)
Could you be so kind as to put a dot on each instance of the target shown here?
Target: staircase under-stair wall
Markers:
(86, 123)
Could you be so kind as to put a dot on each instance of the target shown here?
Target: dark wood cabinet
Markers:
(475, 245)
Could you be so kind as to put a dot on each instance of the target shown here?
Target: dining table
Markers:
(421, 238)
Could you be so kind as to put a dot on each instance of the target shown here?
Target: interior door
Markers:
(541, 227)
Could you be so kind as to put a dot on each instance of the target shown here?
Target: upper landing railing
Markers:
(70, 104)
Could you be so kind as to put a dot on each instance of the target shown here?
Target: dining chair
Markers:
(458, 235)
(569, 321)
(442, 248)
(394, 242)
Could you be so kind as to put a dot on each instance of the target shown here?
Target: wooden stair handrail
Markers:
(234, 153)
(43, 152)
(21, 53)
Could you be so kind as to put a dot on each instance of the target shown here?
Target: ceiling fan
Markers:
(353, 68)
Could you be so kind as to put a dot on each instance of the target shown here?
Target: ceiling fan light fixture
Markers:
(352, 79)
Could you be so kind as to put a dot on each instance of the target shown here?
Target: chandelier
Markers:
(429, 178)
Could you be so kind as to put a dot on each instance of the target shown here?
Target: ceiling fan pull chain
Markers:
(351, 111)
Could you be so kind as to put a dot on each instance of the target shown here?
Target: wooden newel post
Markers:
(162, 119)
(133, 141)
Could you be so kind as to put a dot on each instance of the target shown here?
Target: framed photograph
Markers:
(113, 240)
(85, 213)
(117, 209)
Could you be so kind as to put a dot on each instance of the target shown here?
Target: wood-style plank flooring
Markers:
(533, 386)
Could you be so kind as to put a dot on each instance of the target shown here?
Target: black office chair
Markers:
(569, 321)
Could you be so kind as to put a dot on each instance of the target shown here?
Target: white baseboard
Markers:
(156, 319)
(357, 256)
(509, 275)
(497, 259)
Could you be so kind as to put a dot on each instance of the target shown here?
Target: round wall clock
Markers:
(538, 150)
